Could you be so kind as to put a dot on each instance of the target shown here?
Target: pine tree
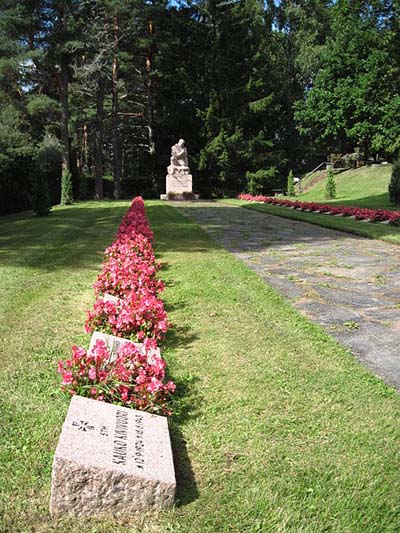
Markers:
(330, 187)
(290, 184)
(394, 185)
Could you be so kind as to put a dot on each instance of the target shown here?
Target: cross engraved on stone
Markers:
(104, 431)
(82, 425)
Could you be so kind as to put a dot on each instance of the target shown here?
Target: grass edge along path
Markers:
(356, 227)
(276, 428)
(288, 431)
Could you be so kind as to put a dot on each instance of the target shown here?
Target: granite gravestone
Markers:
(111, 298)
(114, 343)
(111, 460)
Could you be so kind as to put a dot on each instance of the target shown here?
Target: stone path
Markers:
(348, 284)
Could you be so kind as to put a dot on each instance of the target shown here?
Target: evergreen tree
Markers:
(290, 184)
(47, 169)
(67, 196)
(330, 186)
(394, 185)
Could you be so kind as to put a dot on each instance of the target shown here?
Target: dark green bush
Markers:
(66, 189)
(330, 187)
(394, 184)
(290, 184)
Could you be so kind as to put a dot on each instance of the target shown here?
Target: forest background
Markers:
(93, 93)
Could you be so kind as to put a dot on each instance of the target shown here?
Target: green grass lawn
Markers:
(364, 187)
(277, 428)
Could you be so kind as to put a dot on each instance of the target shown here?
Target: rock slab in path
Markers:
(111, 460)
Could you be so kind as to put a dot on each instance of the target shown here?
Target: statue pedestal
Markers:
(179, 183)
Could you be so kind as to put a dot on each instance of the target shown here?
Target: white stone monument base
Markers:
(111, 460)
(179, 183)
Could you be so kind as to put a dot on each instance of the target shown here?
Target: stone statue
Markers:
(179, 159)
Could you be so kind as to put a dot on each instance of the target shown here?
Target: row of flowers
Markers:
(359, 213)
(127, 306)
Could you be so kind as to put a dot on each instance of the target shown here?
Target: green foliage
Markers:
(274, 84)
(41, 196)
(330, 186)
(47, 163)
(290, 184)
(394, 185)
(66, 189)
(261, 181)
(16, 159)
(15, 142)
(354, 99)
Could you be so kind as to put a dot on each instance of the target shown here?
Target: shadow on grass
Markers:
(185, 407)
(174, 233)
(179, 337)
(70, 237)
(186, 486)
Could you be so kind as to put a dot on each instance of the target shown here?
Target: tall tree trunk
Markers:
(66, 183)
(64, 84)
(114, 114)
(85, 152)
(149, 104)
(98, 194)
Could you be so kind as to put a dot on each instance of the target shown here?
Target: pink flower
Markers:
(67, 378)
(129, 273)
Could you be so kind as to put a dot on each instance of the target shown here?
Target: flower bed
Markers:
(359, 213)
(135, 379)
(130, 274)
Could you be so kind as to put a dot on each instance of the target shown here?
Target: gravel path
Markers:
(349, 285)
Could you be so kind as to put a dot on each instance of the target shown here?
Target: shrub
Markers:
(47, 163)
(290, 184)
(41, 197)
(263, 179)
(188, 195)
(330, 187)
(66, 189)
(394, 185)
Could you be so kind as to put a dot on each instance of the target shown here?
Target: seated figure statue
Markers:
(179, 159)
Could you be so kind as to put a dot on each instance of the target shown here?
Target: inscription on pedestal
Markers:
(111, 459)
(179, 183)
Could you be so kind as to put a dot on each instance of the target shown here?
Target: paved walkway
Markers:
(347, 284)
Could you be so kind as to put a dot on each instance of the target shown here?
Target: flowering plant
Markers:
(134, 379)
(137, 316)
(373, 215)
(127, 271)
